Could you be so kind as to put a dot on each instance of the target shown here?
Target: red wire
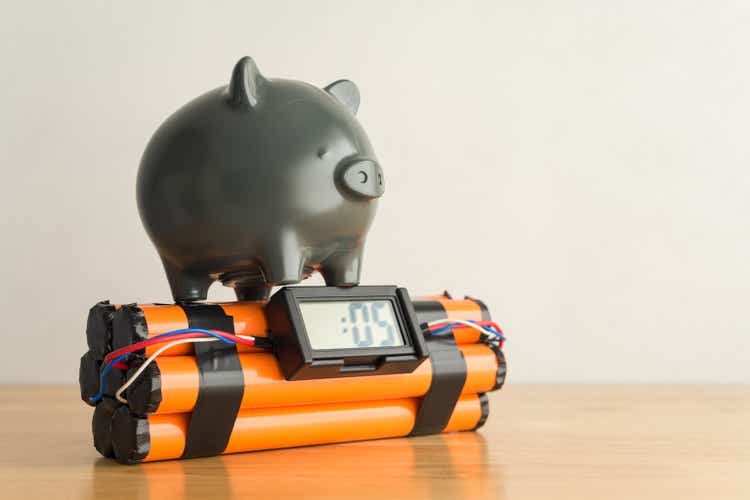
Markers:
(492, 324)
(149, 342)
(162, 340)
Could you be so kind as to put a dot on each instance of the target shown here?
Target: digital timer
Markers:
(321, 332)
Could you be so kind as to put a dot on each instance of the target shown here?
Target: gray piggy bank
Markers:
(260, 183)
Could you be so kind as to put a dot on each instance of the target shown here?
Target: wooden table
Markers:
(541, 441)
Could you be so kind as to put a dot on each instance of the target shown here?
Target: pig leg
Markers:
(253, 292)
(283, 261)
(186, 285)
(342, 268)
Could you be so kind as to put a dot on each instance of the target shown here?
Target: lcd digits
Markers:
(363, 317)
(351, 324)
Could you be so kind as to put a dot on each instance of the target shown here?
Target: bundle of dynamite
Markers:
(152, 418)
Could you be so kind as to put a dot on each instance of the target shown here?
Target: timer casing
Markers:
(299, 361)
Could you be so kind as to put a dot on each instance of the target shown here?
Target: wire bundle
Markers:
(115, 359)
(489, 329)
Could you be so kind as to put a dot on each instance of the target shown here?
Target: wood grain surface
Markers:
(540, 442)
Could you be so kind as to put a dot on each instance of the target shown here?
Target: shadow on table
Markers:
(444, 466)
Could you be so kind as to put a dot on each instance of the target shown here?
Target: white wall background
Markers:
(582, 166)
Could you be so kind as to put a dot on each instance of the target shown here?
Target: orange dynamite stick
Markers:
(163, 437)
(435, 307)
(171, 384)
(134, 323)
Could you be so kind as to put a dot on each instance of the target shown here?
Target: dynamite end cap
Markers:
(130, 437)
(99, 328)
(101, 427)
(88, 376)
(502, 367)
(144, 395)
(128, 326)
(484, 402)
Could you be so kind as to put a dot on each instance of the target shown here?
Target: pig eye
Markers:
(322, 152)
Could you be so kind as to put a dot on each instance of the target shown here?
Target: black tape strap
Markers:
(429, 310)
(448, 379)
(433, 310)
(482, 307)
(221, 385)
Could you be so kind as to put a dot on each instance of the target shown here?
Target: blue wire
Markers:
(194, 330)
(108, 367)
(488, 329)
(448, 326)
(102, 379)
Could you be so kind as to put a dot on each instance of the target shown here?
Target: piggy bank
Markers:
(260, 183)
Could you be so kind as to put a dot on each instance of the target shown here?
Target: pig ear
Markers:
(346, 93)
(246, 83)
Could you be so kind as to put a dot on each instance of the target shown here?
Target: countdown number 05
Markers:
(363, 316)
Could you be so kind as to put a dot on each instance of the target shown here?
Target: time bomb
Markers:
(150, 420)
(258, 184)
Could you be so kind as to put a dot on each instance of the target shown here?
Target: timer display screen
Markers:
(351, 324)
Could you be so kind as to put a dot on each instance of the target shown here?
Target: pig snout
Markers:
(362, 178)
